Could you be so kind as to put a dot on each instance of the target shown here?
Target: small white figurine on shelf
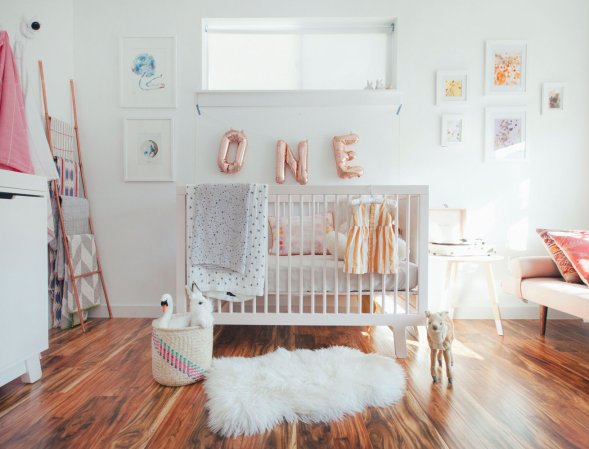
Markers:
(369, 85)
(201, 308)
(379, 84)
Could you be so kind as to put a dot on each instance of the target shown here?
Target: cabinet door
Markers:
(23, 277)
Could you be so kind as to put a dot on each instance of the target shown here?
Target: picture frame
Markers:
(452, 130)
(505, 67)
(505, 134)
(451, 87)
(148, 149)
(147, 71)
(553, 97)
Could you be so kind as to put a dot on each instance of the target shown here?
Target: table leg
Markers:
(451, 289)
(493, 298)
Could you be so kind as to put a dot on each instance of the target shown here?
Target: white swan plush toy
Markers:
(167, 321)
(167, 303)
(201, 308)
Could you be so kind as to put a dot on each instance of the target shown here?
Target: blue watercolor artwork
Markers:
(149, 149)
(144, 66)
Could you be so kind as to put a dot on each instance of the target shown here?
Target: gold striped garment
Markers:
(371, 241)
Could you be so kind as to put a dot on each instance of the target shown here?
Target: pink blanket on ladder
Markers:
(14, 145)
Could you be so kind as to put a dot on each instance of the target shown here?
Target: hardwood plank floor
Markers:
(519, 391)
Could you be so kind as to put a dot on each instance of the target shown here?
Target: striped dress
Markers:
(370, 246)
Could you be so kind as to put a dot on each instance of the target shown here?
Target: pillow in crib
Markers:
(338, 239)
(401, 249)
(307, 246)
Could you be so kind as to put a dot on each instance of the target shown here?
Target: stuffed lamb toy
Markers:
(201, 308)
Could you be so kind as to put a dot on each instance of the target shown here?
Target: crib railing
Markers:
(309, 286)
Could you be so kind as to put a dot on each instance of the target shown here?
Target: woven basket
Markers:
(180, 356)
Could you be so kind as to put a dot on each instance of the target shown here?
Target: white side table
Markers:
(450, 282)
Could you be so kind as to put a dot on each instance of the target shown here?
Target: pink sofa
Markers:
(537, 279)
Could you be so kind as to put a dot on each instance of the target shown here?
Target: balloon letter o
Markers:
(230, 137)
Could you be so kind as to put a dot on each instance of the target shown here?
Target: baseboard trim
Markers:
(527, 312)
(127, 311)
(524, 312)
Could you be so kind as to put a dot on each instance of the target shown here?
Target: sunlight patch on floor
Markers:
(462, 350)
(383, 341)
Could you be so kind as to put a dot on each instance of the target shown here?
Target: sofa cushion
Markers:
(556, 294)
(534, 267)
(566, 268)
(575, 246)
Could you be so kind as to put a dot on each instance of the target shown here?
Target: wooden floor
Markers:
(519, 391)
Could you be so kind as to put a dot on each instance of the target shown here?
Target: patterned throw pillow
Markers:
(307, 246)
(575, 246)
(564, 265)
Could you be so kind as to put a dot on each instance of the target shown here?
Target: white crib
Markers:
(313, 289)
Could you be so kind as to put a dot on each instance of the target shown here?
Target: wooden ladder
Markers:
(55, 189)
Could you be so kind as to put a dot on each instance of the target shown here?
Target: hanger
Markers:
(372, 199)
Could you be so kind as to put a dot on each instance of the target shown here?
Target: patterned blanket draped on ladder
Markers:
(76, 278)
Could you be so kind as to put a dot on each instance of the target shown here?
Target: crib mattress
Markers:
(315, 265)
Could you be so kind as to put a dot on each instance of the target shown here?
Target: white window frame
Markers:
(290, 25)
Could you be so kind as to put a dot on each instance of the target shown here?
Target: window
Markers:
(285, 54)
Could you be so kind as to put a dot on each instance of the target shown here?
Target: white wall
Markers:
(134, 221)
(53, 43)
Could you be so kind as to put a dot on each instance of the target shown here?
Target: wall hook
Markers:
(29, 26)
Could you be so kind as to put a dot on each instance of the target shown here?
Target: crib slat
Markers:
(289, 298)
(314, 255)
(408, 238)
(360, 293)
(324, 214)
(277, 252)
(301, 210)
(371, 293)
(397, 238)
(335, 258)
(347, 274)
(383, 297)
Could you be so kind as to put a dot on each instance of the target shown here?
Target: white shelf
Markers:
(304, 98)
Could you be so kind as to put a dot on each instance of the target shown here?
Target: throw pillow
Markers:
(575, 246)
(566, 268)
(307, 245)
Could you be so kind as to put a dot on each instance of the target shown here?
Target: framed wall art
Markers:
(505, 134)
(553, 97)
(451, 87)
(148, 149)
(147, 72)
(505, 67)
(452, 130)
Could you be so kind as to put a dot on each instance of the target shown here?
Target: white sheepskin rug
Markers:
(251, 395)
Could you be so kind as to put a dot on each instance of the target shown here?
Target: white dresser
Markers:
(23, 275)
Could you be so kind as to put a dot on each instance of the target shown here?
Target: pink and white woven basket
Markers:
(180, 356)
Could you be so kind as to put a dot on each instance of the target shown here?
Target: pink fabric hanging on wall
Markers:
(14, 144)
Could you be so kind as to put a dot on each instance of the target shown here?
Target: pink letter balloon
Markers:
(230, 137)
(343, 156)
(285, 157)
